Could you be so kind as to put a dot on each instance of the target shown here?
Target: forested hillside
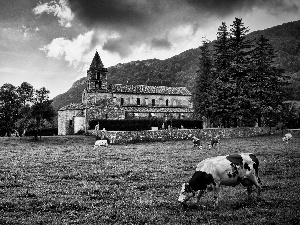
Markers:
(180, 70)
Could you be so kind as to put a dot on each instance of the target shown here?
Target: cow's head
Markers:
(186, 193)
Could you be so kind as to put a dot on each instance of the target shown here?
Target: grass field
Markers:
(62, 180)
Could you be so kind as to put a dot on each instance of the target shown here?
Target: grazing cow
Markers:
(215, 141)
(229, 170)
(196, 142)
(287, 137)
(99, 143)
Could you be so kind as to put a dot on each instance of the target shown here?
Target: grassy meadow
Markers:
(62, 180)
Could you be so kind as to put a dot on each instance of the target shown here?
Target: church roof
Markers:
(96, 63)
(144, 89)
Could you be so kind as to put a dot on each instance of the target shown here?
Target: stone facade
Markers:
(101, 100)
(67, 122)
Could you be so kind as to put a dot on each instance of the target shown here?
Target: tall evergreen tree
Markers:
(266, 81)
(221, 50)
(203, 95)
(240, 58)
(222, 87)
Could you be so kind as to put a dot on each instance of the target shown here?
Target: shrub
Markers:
(44, 132)
(144, 124)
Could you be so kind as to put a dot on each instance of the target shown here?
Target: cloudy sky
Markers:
(50, 43)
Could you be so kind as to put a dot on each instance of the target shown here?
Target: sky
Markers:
(51, 43)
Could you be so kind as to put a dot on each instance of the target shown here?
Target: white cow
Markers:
(99, 143)
(229, 170)
(287, 137)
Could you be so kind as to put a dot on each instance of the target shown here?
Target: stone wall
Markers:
(123, 137)
(66, 121)
(79, 124)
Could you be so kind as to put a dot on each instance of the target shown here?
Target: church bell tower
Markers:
(97, 75)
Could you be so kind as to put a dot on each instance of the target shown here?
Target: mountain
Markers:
(180, 70)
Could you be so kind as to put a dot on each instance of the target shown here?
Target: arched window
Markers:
(97, 84)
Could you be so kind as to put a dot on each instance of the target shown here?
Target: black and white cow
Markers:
(215, 141)
(196, 142)
(229, 170)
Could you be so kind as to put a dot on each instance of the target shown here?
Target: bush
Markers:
(44, 132)
(144, 124)
(80, 132)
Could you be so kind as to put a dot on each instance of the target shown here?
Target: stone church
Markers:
(101, 100)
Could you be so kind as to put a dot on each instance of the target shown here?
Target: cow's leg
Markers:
(255, 181)
(216, 195)
(249, 190)
(199, 194)
(258, 190)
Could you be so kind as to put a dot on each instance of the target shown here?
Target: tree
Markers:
(9, 107)
(222, 87)
(221, 50)
(203, 96)
(290, 115)
(266, 81)
(25, 94)
(41, 109)
(248, 86)
(232, 60)
(239, 68)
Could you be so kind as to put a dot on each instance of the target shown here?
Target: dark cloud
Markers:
(227, 7)
(117, 45)
(143, 15)
(276, 6)
(115, 14)
(162, 43)
(221, 8)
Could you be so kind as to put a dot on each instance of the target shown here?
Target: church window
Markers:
(153, 102)
(167, 102)
(97, 84)
(122, 101)
(138, 101)
(98, 76)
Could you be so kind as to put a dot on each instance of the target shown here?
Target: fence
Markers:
(123, 137)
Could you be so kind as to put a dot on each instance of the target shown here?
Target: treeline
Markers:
(238, 84)
(23, 109)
